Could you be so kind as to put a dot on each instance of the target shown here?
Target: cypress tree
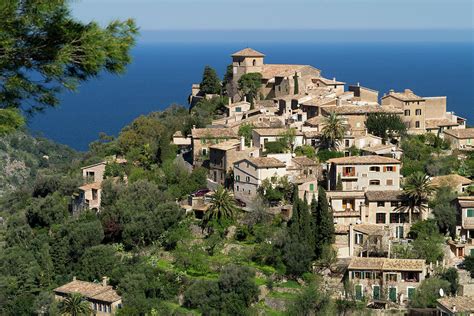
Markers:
(323, 222)
(210, 83)
(297, 88)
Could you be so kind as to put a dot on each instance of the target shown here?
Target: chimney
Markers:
(251, 143)
(194, 126)
(245, 98)
(74, 278)
(334, 79)
(104, 281)
(242, 142)
(230, 101)
(358, 84)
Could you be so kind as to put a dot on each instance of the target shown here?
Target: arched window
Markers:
(254, 62)
(375, 169)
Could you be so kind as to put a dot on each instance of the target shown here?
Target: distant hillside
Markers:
(22, 156)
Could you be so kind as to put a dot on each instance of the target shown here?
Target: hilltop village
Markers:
(279, 192)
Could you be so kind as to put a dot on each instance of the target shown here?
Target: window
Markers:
(237, 178)
(95, 306)
(348, 171)
(389, 182)
(247, 179)
(254, 62)
(237, 188)
(407, 112)
(399, 232)
(390, 169)
(391, 277)
(418, 112)
(470, 212)
(94, 194)
(347, 143)
(394, 204)
(311, 187)
(238, 109)
(396, 218)
(392, 294)
(411, 292)
(358, 292)
(374, 182)
(380, 204)
(100, 307)
(376, 292)
(374, 168)
(417, 124)
(359, 238)
(380, 218)
(204, 151)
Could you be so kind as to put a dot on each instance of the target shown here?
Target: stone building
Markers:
(261, 136)
(203, 138)
(462, 139)
(384, 279)
(103, 299)
(364, 94)
(223, 155)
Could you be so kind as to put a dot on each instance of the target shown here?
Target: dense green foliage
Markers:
(45, 50)
(428, 292)
(10, 121)
(385, 126)
(444, 211)
(325, 154)
(469, 262)
(305, 150)
(249, 85)
(332, 131)
(210, 83)
(245, 130)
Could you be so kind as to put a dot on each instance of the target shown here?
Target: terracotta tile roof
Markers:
(248, 52)
(265, 162)
(178, 134)
(320, 100)
(457, 304)
(304, 161)
(270, 71)
(386, 264)
(361, 109)
(213, 133)
(376, 148)
(363, 160)
(437, 123)
(406, 95)
(273, 131)
(369, 229)
(345, 194)
(315, 121)
(389, 195)
(466, 201)
(312, 134)
(328, 81)
(94, 165)
(89, 186)
(227, 145)
(461, 133)
(450, 180)
(90, 290)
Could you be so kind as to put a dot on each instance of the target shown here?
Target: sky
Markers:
(165, 15)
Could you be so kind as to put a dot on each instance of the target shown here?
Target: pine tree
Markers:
(210, 83)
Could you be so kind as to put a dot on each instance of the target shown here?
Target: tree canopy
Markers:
(385, 125)
(210, 83)
(44, 50)
(249, 85)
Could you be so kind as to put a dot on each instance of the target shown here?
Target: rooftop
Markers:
(96, 291)
(437, 123)
(369, 229)
(315, 121)
(363, 160)
(361, 109)
(450, 180)
(304, 161)
(227, 145)
(265, 162)
(329, 81)
(466, 201)
(462, 133)
(274, 131)
(377, 148)
(89, 186)
(458, 304)
(386, 264)
(270, 71)
(248, 52)
(388, 195)
(406, 95)
(218, 132)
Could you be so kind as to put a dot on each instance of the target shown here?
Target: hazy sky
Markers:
(282, 14)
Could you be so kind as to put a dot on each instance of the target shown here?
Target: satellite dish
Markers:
(441, 292)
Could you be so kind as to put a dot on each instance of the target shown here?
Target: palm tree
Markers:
(75, 305)
(333, 130)
(416, 190)
(222, 207)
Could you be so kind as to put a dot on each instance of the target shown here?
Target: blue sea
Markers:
(162, 73)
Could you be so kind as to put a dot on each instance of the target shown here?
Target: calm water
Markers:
(162, 74)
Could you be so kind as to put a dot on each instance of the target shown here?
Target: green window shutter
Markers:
(472, 252)
(411, 293)
(358, 293)
(376, 292)
(470, 212)
(311, 187)
(392, 294)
